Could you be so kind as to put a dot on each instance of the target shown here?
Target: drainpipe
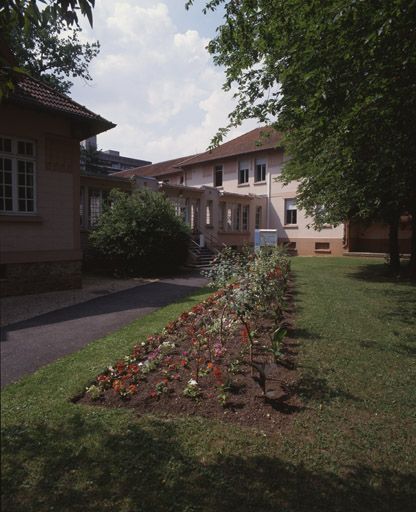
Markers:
(269, 195)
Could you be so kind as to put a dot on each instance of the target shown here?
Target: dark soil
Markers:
(231, 390)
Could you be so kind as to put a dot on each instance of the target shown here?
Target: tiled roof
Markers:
(155, 170)
(35, 93)
(258, 139)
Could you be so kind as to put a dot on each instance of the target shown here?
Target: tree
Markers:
(25, 13)
(49, 55)
(33, 30)
(339, 79)
(140, 233)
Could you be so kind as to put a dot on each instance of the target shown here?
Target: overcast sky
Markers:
(155, 79)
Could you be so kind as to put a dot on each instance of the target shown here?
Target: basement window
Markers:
(322, 246)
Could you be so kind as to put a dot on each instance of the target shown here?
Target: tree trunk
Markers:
(394, 244)
(412, 265)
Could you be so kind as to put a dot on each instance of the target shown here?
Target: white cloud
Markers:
(158, 84)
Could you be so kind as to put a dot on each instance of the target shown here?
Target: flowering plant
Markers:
(192, 389)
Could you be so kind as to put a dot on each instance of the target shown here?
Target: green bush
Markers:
(140, 234)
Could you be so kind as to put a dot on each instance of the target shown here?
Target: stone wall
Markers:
(29, 278)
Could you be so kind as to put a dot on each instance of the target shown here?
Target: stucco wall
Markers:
(52, 232)
(375, 237)
(274, 192)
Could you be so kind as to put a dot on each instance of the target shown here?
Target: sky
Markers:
(155, 79)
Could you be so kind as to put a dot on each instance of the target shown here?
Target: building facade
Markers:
(239, 192)
(40, 133)
(102, 163)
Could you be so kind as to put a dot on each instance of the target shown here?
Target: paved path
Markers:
(30, 344)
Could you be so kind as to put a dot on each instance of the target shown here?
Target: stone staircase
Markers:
(201, 257)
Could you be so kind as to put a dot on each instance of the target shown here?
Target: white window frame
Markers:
(15, 157)
(243, 172)
(218, 168)
(290, 206)
(209, 208)
(262, 164)
(245, 217)
(236, 217)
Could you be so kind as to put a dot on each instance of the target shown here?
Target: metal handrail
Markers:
(214, 240)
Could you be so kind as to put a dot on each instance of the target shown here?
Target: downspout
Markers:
(269, 195)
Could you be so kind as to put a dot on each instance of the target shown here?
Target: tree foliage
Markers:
(339, 79)
(26, 13)
(140, 233)
(53, 53)
(44, 37)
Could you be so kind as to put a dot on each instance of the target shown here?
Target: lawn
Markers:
(351, 448)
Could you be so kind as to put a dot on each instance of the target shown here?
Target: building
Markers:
(40, 134)
(228, 192)
(97, 162)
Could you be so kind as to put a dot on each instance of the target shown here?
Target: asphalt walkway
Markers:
(30, 344)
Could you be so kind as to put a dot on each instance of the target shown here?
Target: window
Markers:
(236, 217)
(246, 215)
(94, 206)
(290, 211)
(195, 215)
(229, 218)
(208, 213)
(82, 222)
(260, 172)
(96, 201)
(243, 168)
(258, 217)
(218, 176)
(222, 219)
(17, 175)
(322, 246)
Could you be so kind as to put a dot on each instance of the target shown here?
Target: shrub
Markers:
(140, 234)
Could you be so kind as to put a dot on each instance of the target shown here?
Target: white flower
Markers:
(192, 382)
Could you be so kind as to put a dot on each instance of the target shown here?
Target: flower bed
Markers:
(228, 357)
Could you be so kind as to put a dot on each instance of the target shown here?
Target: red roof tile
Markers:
(37, 94)
(258, 139)
(155, 170)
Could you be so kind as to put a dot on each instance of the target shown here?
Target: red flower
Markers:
(217, 373)
(133, 368)
(117, 385)
(132, 389)
(244, 335)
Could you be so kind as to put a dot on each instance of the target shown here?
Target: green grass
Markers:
(352, 447)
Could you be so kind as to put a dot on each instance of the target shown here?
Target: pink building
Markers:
(40, 132)
(226, 193)
(235, 190)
